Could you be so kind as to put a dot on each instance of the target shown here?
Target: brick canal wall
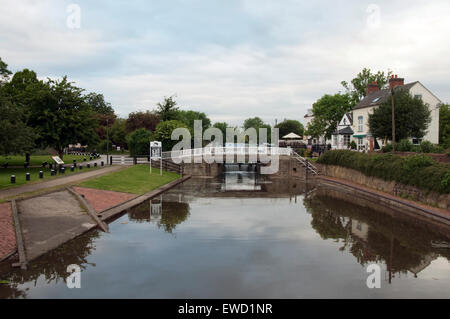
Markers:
(390, 187)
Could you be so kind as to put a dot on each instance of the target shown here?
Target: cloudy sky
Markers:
(231, 59)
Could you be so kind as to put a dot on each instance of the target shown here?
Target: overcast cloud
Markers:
(230, 59)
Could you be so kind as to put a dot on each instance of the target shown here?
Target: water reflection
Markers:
(373, 237)
(241, 235)
(166, 215)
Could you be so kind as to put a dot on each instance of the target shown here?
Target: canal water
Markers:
(241, 236)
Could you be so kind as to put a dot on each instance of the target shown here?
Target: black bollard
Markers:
(13, 179)
(75, 163)
(95, 164)
(81, 167)
(88, 165)
(41, 174)
(62, 170)
(27, 176)
(52, 172)
(72, 168)
(84, 159)
(103, 163)
(90, 158)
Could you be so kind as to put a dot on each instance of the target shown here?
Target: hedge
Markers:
(418, 170)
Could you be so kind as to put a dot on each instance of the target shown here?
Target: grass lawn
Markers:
(5, 175)
(136, 180)
(19, 160)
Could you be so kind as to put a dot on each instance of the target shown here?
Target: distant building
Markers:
(375, 97)
(309, 139)
(354, 126)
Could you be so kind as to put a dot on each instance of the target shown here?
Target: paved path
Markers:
(60, 181)
(101, 200)
(7, 233)
(425, 209)
(50, 220)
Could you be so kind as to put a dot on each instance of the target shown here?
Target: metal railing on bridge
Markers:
(168, 157)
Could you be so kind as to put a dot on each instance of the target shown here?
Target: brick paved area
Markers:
(101, 200)
(7, 233)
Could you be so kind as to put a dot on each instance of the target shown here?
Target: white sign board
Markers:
(156, 152)
(57, 160)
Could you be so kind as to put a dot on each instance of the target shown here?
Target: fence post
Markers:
(135, 160)
(110, 160)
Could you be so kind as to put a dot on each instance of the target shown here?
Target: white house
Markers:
(342, 137)
(375, 96)
(309, 139)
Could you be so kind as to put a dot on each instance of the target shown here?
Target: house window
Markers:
(418, 96)
(416, 141)
(360, 123)
(346, 140)
(360, 144)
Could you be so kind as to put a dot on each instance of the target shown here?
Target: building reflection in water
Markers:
(376, 237)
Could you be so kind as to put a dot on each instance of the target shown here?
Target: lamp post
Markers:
(107, 139)
(393, 121)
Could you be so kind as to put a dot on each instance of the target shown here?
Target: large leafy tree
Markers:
(357, 87)
(136, 120)
(257, 123)
(222, 126)
(104, 113)
(98, 104)
(168, 109)
(444, 125)
(118, 133)
(60, 115)
(15, 136)
(412, 117)
(290, 126)
(139, 142)
(4, 72)
(164, 131)
(188, 118)
(328, 111)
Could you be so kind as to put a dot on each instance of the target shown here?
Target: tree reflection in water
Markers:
(51, 267)
(373, 236)
(171, 214)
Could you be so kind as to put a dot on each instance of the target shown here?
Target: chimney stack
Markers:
(371, 88)
(396, 81)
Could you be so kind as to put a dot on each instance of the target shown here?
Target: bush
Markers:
(405, 146)
(353, 145)
(139, 142)
(387, 148)
(426, 147)
(418, 170)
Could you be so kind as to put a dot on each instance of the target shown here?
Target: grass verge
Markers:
(5, 175)
(135, 180)
(35, 160)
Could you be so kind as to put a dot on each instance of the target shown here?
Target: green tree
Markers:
(164, 131)
(357, 87)
(139, 142)
(168, 109)
(328, 112)
(444, 125)
(4, 72)
(188, 118)
(290, 126)
(136, 120)
(59, 114)
(412, 117)
(118, 133)
(98, 104)
(258, 123)
(15, 136)
(222, 126)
